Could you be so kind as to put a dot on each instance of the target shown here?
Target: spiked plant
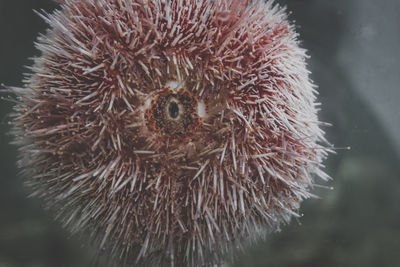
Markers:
(173, 131)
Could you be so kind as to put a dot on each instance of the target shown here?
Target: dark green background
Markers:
(354, 59)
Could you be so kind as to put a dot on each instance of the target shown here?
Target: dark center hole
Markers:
(173, 110)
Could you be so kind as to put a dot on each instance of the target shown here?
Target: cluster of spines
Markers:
(89, 154)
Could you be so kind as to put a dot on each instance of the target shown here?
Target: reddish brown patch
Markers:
(172, 114)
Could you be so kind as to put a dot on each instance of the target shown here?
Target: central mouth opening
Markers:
(173, 114)
(173, 110)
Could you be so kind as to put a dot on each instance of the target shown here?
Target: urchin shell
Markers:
(171, 130)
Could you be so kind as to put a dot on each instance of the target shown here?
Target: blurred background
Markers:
(354, 49)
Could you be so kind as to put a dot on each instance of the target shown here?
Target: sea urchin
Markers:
(170, 130)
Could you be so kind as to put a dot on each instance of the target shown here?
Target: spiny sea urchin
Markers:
(172, 130)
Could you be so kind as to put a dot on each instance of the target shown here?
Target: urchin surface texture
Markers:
(172, 131)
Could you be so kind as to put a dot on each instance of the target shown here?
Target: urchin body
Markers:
(172, 130)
